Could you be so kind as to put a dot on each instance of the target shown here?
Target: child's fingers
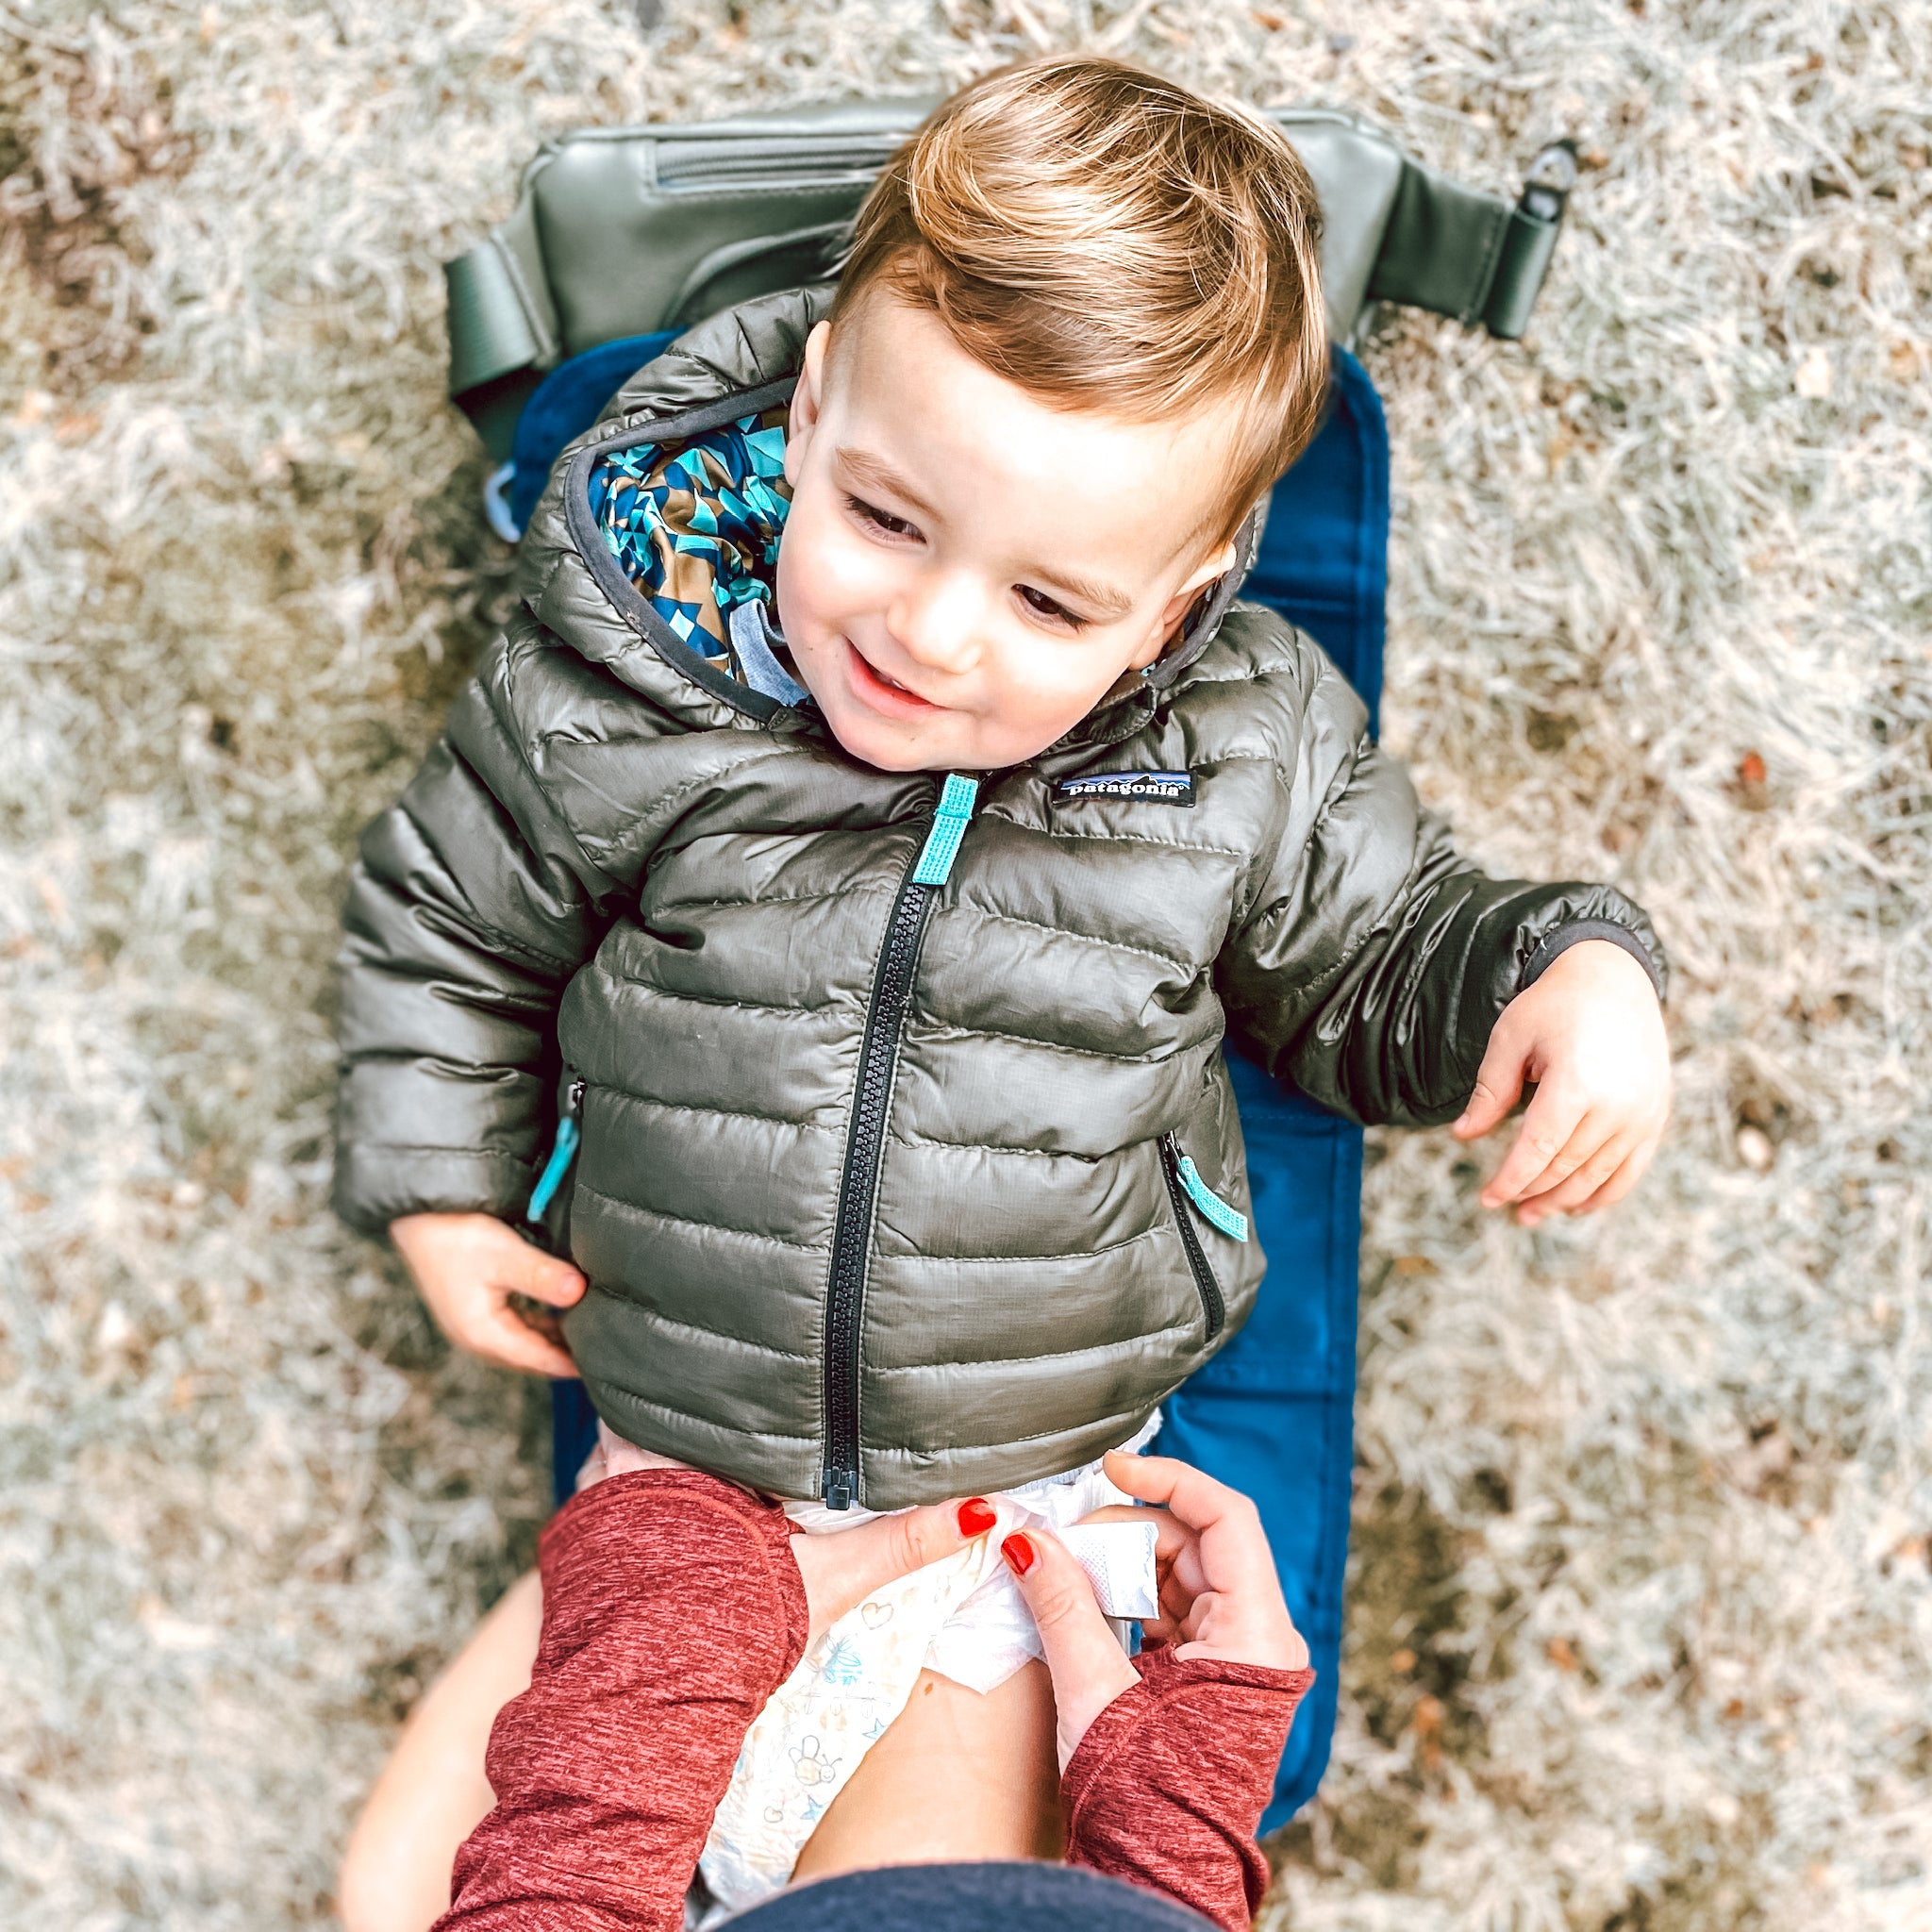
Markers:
(1584, 1149)
(1498, 1082)
(1606, 1178)
(1553, 1116)
(499, 1336)
(1583, 1181)
(543, 1277)
(1624, 1179)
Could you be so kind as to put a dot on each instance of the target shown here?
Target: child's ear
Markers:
(807, 400)
(1217, 563)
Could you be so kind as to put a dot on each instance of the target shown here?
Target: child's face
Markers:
(965, 572)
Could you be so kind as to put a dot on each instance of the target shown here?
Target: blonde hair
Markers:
(1111, 241)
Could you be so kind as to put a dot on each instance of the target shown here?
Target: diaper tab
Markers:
(1118, 1559)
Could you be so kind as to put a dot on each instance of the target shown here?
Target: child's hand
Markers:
(1590, 1034)
(467, 1266)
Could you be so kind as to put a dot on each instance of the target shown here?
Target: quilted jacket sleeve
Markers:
(470, 910)
(1373, 960)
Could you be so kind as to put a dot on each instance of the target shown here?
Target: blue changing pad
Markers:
(1274, 1413)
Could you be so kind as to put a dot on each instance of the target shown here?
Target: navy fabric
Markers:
(564, 405)
(573, 1435)
(1274, 1413)
(970, 1898)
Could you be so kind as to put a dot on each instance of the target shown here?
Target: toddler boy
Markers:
(863, 914)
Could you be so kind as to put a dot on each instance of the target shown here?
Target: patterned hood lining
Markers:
(695, 528)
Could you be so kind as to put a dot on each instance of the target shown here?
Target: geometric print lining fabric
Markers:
(696, 528)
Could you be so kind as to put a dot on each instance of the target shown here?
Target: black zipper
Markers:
(891, 993)
(1212, 1306)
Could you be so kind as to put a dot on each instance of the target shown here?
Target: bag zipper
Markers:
(1178, 1167)
(755, 161)
(892, 994)
(563, 1150)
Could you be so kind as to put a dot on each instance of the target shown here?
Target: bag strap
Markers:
(503, 328)
(1457, 252)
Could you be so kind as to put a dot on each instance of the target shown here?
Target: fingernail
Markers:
(977, 1516)
(1020, 1553)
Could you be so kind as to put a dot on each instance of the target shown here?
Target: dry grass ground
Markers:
(1643, 1622)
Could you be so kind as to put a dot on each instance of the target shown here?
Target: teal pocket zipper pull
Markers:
(563, 1151)
(1230, 1220)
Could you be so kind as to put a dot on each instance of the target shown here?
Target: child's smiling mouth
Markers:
(873, 688)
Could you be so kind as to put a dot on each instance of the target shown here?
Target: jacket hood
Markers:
(666, 514)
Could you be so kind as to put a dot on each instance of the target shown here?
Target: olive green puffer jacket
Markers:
(889, 1190)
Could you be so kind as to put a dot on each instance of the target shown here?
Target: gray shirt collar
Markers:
(752, 642)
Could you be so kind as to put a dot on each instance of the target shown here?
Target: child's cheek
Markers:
(808, 604)
(785, 591)
(1045, 691)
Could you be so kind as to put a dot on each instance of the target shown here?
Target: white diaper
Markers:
(962, 1617)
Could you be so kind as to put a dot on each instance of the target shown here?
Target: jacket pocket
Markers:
(1189, 1194)
(546, 1216)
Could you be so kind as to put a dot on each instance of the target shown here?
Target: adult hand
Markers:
(1219, 1597)
(839, 1568)
(1590, 1034)
(842, 1568)
(468, 1266)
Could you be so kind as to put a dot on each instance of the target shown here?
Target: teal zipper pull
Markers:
(1228, 1219)
(941, 848)
(563, 1151)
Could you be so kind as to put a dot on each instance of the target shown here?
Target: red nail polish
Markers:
(1020, 1553)
(977, 1516)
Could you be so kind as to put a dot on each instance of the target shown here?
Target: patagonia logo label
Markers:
(1156, 787)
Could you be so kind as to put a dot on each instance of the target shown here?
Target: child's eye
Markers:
(1042, 606)
(881, 519)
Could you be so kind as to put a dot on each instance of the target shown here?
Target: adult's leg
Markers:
(956, 1776)
(432, 1793)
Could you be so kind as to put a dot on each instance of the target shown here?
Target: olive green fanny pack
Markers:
(619, 231)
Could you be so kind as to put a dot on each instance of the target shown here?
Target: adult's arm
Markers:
(1166, 1788)
(1168, 1759)
(674, 1603)
(672, 1609)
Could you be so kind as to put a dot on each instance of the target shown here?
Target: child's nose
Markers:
(937, 621)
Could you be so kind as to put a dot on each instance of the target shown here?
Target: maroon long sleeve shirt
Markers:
(672, 1609)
